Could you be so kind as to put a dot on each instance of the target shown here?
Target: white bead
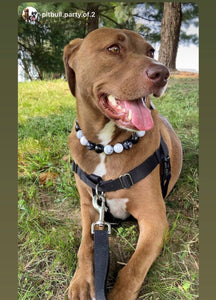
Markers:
(140, 133)
(83, 141)
(108, 149)
(79, 134)
(118, 148)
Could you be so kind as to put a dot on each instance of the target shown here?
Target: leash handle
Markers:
(101, 262)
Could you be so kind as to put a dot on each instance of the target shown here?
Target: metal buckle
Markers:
(101, 210)
(100, 225)
(125, 176)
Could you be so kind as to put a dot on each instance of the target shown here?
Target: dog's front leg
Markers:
(153, 226)
(82, 284)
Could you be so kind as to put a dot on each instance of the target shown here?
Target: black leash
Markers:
(125, 181)
(101, 265)
(101, 246)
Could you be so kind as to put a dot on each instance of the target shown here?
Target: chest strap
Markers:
(127, 180)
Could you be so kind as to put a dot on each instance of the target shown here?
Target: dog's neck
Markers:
(96, 126)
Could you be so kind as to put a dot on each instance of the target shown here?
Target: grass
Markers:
(49, 221)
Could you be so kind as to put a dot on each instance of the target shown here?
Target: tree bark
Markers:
(170, 32)
(93, 19)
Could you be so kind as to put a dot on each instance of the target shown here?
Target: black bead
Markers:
(99, 148)
(90, 146)
(134, 139)
(77, 128)
(127, 144)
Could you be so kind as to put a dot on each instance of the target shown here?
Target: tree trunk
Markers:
(170, 32)
(93, 19)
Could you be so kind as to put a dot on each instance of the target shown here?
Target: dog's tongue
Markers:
(141, 114)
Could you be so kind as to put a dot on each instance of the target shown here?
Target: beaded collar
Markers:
(108, 149)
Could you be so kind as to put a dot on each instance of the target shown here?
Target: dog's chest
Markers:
(117, 206)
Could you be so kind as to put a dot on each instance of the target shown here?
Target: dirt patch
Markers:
(62, 211)
(184, 74)
(46, 177)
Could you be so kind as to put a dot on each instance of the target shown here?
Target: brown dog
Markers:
(26, 14)
(111, 73)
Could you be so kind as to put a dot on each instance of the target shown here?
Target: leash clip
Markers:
(101, 209)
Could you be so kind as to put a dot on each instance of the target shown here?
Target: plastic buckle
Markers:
(74, 166)
(125, 183)
(167, 166)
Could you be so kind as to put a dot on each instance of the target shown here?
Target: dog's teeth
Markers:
(112, 100)
(130, 115)
(152, 105)
(144, 101)
(123, 110)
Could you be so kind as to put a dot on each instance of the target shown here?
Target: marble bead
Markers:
(99, 148)
(77, 128)
(108, 149)
(83, 141)
(79, 134)
(127, 144)
(140, 133)
(118, 148)
(90, 146)
(134, 138)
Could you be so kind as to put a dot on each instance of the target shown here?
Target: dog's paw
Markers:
(81, 287)
(125, 287)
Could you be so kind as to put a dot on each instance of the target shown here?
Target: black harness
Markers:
(125, 181)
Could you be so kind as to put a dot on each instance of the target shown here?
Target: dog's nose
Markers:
(158, 74)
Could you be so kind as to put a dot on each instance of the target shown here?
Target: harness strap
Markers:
(166, 171)
(125, 181)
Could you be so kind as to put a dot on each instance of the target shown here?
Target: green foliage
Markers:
(40, 46)
(49, 224)
(190, 12)
(188, 38)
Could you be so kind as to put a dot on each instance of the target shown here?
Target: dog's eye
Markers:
(151, 52)
(115, 49)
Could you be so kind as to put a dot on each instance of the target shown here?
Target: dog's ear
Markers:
(69, 53)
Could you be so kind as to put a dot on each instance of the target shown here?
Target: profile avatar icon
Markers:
(29, 14)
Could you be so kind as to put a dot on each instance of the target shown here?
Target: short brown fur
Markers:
(90, 69)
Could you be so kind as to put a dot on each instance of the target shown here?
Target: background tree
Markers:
(92, 9)
(170, 33)
(174, 15)
(40, 46)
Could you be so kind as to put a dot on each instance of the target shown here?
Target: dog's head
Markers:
(116, 70)
(33, 15)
